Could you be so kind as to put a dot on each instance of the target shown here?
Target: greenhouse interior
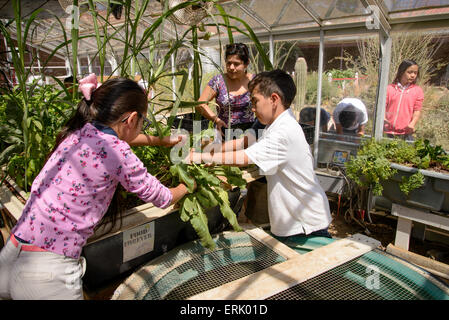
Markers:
(360, 146)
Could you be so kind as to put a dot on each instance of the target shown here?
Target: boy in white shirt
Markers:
(297, 204)
(350, 117)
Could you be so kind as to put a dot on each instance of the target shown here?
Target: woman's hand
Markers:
(220, 123)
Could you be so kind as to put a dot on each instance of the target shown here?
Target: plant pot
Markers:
(186, 122)
(433, 195)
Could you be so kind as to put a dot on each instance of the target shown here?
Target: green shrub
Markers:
(372, 164)
(48, 109)
(328, 90)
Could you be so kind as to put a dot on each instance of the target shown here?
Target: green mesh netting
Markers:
(190, 269)
(373, 276)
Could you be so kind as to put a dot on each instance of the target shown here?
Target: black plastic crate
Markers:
(187, 120)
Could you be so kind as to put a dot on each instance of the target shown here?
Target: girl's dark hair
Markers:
(239, 49)
(107, 105)
(403, 67)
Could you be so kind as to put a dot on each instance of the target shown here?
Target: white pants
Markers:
(30, 275)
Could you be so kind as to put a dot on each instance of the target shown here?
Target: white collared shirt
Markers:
(296, 201)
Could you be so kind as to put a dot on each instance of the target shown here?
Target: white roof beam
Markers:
(310, 12)
(379, 16)
(254, 15)
(282, 13)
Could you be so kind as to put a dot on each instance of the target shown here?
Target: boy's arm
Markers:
(238, 144)
(339, 128)
(231, 158)
(361, 130)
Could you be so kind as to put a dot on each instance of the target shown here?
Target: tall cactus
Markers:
(301, 78)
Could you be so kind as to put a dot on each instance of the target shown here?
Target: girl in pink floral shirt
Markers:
(72, 193)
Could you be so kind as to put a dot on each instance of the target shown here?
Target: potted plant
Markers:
(413, 174)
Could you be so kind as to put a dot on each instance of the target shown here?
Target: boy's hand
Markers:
(189, 158)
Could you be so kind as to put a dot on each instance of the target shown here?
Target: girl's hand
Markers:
(409, 129)
(173, 140)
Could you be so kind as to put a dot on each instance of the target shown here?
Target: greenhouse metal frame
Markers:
(271, 21)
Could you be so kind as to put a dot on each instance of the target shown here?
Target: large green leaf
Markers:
(226, 210)
(199, 223)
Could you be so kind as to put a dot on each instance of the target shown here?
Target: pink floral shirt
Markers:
(72, 192)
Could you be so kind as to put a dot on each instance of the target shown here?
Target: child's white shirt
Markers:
(296, 201)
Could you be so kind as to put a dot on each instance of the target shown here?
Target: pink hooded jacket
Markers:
(400, 106)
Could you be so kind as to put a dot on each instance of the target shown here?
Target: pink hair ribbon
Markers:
(88, 85)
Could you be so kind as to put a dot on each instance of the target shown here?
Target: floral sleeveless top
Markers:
(240, 104)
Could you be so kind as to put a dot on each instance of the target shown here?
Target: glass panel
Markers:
(328, 9)
(347, 84)
(232, 10)
(295, 14)
(400, 5)
(268, 10)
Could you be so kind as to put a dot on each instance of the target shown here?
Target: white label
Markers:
(138, 241)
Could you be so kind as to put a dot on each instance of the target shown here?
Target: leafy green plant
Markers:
(28, 128)
(337, 73)
(372, 164)
(210, 191)
(48, 108)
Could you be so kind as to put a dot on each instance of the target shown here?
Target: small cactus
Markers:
(301, 78)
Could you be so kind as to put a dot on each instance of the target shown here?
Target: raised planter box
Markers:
(186, 122)
(432, 196)
(121, 252)
(145, 233)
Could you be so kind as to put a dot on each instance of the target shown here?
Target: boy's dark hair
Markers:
(69, 79)
(239, 49)
(403, 67)
(308, 114)
(275, 81)
(347, 118)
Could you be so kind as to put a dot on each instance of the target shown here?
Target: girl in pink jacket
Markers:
(404, 102)
(73, 192)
